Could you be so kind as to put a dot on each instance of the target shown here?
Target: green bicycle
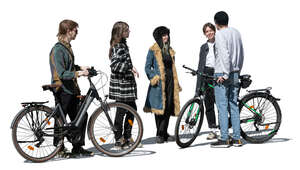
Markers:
(260, 114)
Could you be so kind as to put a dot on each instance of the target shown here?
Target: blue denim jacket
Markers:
(154, 68)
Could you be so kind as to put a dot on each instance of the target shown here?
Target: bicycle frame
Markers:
(254, 113)
(202, 96)
(90, 96)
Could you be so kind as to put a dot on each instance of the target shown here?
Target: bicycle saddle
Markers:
(50, 87)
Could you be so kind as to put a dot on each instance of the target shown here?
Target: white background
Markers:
(270, 35)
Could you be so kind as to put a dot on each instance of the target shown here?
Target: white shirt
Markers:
(210, 58)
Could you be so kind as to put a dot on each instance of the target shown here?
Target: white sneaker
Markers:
(211, 136)
(140, 145)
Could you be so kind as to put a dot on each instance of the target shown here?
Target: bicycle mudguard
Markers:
(15, 118)
(260, 91)
(266, 90)
(25, 108)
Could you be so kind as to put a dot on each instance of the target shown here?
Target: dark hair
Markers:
(116, 34)
(221, 18)
(159, 32)
(66, 25)
(210, 25)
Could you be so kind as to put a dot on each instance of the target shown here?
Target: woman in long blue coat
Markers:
(163, 92)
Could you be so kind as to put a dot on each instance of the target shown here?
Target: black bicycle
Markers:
(33, 129)
(260, 114)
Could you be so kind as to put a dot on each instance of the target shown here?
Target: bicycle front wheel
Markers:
(260, 117)
(103, 134)
(33, 134)
(189, 122)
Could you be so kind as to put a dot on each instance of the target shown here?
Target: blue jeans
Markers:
(226, 95)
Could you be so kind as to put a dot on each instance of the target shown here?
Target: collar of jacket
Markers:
(156, 49)
(158, 55)
(68, 45)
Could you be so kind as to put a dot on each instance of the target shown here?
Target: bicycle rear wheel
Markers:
(103, 136)
(189, 122)
(33, 134)
(260, 117)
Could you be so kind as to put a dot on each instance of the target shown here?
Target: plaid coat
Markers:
(122, 85)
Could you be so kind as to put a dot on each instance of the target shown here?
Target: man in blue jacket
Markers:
(229, 55)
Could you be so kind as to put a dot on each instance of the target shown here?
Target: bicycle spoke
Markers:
(104, 135)
(33, 134)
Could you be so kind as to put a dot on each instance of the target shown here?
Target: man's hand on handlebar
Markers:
(84, 68)
(83, 73)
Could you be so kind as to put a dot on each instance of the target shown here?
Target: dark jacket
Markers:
(63, 69)
(202, 61)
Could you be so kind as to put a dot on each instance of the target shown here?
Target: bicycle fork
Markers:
(194, 120)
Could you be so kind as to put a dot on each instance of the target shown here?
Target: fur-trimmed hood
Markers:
(159, 32)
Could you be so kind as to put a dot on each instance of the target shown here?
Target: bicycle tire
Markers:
(185, 140)
(26, 121)
(255, 128)
(105, 142)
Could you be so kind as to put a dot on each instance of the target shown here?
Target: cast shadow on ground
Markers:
(273, 140)
(136, 152)
(152, 140)
(61, 159)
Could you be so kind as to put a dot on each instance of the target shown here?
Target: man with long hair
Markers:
(65, 73)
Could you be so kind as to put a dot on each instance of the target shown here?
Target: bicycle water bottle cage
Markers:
(245, 81)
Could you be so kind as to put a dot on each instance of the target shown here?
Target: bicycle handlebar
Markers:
(194, 72)
(92, 72)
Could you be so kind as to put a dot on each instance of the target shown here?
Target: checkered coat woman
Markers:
(122, 82)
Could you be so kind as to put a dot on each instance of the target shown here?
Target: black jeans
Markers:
(70, 107)
(162, 123)
(120, 118)
(209, 100)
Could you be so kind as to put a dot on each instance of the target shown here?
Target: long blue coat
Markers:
(154, 68)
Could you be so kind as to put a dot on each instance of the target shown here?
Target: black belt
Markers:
(209, 68)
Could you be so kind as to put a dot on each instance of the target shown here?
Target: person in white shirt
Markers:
(206, 65)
